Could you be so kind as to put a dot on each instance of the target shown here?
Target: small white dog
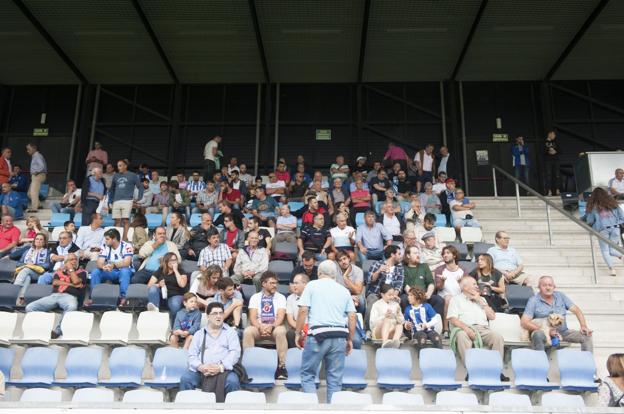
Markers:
(554, 320)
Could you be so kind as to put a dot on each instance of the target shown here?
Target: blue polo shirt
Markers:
(537, 307)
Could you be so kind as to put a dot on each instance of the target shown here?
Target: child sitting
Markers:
(186, 323)
(386, 320)
(420, 319)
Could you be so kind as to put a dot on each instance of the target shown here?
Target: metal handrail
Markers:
(549, 204)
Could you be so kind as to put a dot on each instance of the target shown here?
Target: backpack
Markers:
(612, 401)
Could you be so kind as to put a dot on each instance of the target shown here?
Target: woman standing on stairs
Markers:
(605, 216)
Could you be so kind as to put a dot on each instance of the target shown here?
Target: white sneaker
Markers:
(386, 344)
(395, 343)
(153, 308)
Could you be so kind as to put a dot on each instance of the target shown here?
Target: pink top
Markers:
(99, 154)
(283, 176)
(360, 193)
(396, 153)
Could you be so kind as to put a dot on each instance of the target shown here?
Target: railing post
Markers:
(550, 235)
(494, 181)
(593, 256)
(518, 200)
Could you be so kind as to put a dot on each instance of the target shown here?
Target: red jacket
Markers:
(5, 173)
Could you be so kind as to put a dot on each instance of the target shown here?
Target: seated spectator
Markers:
(388, 271)
(19, 181)
(163, 201)
(114, 263)
(286, 226)
(490, 281)
(232, 301)
(155, 182)
(58, 255)
(215, 253)
(461, 211)
(469, 314)
(344, 210)
(253, 224)
(420, 319)
(177, 232)
(315, 238)
(446, 197)
(230, 196)
(205, 286)
(351, 277)
(213, 353)
(139, 235)
(267, 310)
(301, 168)
(226, 209)
(180, 199)
(245, 177)
(392, 198)
(297, 286)
(430, 200)
(198, 237)
(252, 261)
(403, 186)
(379, 185)
(70, 227)
(90, 238)
(195, 186)
(281, 173)
(339, 194)
(321, 196)
(181, 180)
(418, 275)
(34, 262)
(12, 203)
(187, 322)
(313, 207)
(508, 261)
(141, 205)
(307, 267)
(69, 284)
(339, 169)
(206, 200)
(151, 253)
(275, 188)
(546, 302)
(440, 184)
(297, 188)
(232, 236)
(431, 252)
(386, 319)
(371, 238)
(360, 166)
(415, 216)
(343, 237)
(616, 184)
(391, 222)
(447, 280)
(360, 197)
(318, 177)
(70, 202)
(611, 388)
(232, 166)
(409, 240)
(263, 208)
(167, 286)
(33, 227)
(427, 226)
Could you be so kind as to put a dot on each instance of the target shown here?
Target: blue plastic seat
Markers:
(484, 368)
(394, 368)
(78, 220)
(438, 369)
(169, 365)
(38, 366)
(195, 219)
(405, 206)
(378, 206)
(168, 219)
(108, 220)
(294, 206)
(355, 370)
(44, 190)
(126, 367)
(153, 220)
(58, 219)
(576, 370)
(260, 364)
(6, 361)
(531, 370)
(293, 366)
(282, 268)
(82, 365)
(440, 220)
(359, 219)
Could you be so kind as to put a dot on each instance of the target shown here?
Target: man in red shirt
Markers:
(9, 236)
(232, 196)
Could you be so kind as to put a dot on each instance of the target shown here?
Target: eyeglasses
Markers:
(215, 314)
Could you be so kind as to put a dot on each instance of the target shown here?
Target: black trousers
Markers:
(551, 173)
(88, 209)
(209, 169)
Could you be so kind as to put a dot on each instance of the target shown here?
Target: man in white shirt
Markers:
(297, 286)
(461, 210)
(267, 310)
(391, 222)
(425, 167)
(211, 154)
(440, 184)
(275, 188)
(339, 169)
(343, 237)
(90, 238)
(616, 184)
(70, 203)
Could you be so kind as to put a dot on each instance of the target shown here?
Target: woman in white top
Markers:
(205, 285)
(343, 237)
(386, 319)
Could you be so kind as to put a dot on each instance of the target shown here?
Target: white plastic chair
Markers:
(456, 398)
(351, 398)
(297, 398)
(508, 399)
(402, 398)
(8, 321)
(114, 328)
(143, 396)
(508, 325)
(471, 235)
(445, 234)
(245, 397)
(560, 400)
(153, 328)
(93, 395)
(54, 236)
(41, 395)
(76, 327)
(36, 328)
(195, 396)
(130, 233)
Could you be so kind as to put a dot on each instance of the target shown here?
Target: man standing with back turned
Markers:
(325, 305)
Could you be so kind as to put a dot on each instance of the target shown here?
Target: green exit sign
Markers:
(500, 138)
(40, 132)
(323, 134)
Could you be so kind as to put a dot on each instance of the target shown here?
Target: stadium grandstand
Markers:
(312, 205)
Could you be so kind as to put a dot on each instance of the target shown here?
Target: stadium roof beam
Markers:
(577, 37)
(468, 41)
(48, 38)
(155, 41)
(256, 25)
(363, 39)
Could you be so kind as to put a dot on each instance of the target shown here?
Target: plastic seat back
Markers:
(518, 296)
(109, 221)
(440, 220)
(297, 397)
(351, 398)
(41, 395)
(143, 397)
(282, 268)
(576, 370)
(8, 296)
(126, 366)
(559, 400)
(462, 249)
(260, 364)
(295, 205)
(78, 220)
(7, 272)
(93, 395)
(471, 235)
(245, 397)
(402, 398)
(35, 292)
(195, 219)
(445, 234)
(359, 219)
(6, 361)
(507, 325)
(153, 326)
(58, 219)
(455, 398)
(105, 296)
(508, 399)
(136, 296)
(355, 370)
(484, 368)
(82, 365)
(169, 365)
(394, 368)
(8, 321)
(56, 232)
(76, 326)
(153, 220)
(438, 368)
(115, 326)
(38, 366)
(195, 397)
(531, 370)
(480, 247)
(37, 326)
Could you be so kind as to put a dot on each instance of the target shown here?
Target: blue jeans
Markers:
(332, 352)
(191, 380)
(121, 276)
(65, 301)
(57, 208)
(371, 254)
(522, 173)
(46, 278)
(607, 251)
(174, 303)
